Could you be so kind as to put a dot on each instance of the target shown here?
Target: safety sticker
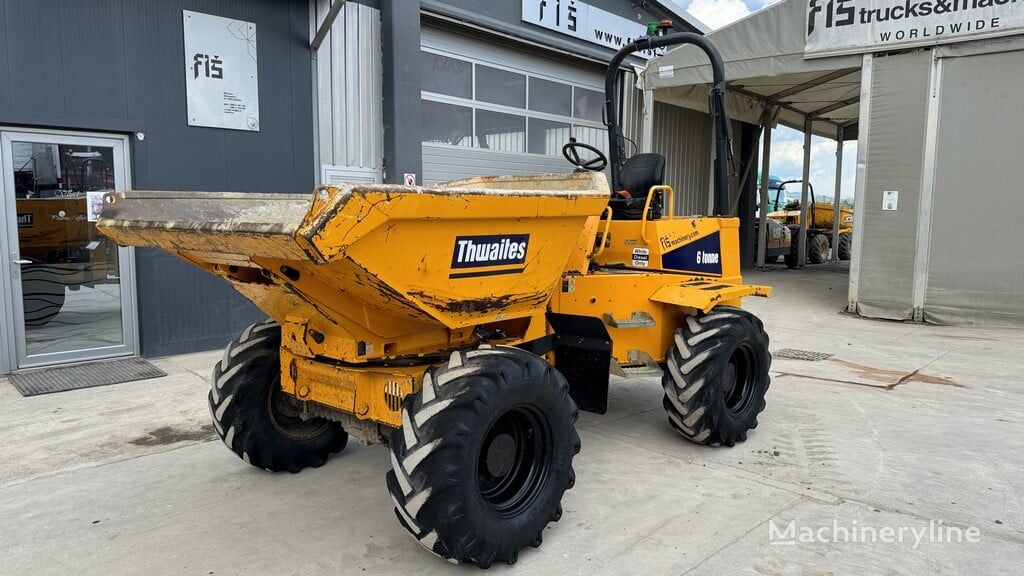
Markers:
(641, 256)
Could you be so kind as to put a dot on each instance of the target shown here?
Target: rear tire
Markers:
(716, 376)
(845, 243)
(484, 455)
(258, 421)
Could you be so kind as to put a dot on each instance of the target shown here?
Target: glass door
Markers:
(70, 290)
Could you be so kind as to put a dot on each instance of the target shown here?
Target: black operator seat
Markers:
(636, 177)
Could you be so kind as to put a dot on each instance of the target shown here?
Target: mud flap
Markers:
(582, 349)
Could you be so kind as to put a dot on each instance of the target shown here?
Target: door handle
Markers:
(24, 262)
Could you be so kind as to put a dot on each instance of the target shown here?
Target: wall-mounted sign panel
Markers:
(586, 22)
(852, 26)
(221, 80)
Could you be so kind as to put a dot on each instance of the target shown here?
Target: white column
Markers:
(647, 122)
(863, 128)
(924, 223)
(802, 246)
(766, 168)
(839, 185)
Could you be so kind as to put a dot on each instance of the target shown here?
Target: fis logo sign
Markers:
(837, 13)
(207, 66)
(479, 255)
(25, 220)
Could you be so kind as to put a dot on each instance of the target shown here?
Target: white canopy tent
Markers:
(769, 83)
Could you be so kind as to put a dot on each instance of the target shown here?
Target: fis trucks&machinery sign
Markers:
(853, 26)
(480, 255)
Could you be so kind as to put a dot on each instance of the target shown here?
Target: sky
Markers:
(787, 144)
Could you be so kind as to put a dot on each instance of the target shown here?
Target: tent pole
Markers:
(840, 133)
(766, 169)
(647, 123)
(802, 242)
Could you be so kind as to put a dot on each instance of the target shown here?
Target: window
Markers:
(447, 124)
(587, 104)
(550, 97)
(444, 75)
(547, 137)
(476, 105)
(596, 137)
(500, 132)
(500, 87)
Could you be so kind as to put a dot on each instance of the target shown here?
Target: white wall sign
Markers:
(852, 26)
(890, 199)
(221, 81)
(586, 22)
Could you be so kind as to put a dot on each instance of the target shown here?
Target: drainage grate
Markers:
(64, 378)
(795, 354)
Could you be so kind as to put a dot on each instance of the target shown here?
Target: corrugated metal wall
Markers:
(349, 66)
(683, 136)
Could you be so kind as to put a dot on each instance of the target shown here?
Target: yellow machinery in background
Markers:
(465, 324)
(821, 218)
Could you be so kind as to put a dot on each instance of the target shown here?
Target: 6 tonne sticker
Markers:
(489, 255)
(641, 257)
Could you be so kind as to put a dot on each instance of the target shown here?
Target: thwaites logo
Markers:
(479, 255)
(25, 220)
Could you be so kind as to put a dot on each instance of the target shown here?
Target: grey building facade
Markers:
(93, 97)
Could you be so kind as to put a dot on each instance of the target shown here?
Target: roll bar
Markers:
(716, 107)
(778, 192)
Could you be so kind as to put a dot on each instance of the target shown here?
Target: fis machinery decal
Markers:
(481, 255)
(703, 255)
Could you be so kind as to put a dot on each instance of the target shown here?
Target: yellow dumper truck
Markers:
(820, 219)
(465, 324)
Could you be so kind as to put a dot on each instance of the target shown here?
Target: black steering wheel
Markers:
(596, 164)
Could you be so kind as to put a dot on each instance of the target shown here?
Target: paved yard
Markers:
(912, 433)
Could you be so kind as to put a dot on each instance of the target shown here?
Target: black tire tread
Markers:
(427, 496)
(238, 407)
(817, 248)
(845, 245)
(690, 386)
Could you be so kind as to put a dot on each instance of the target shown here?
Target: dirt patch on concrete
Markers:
(170, 435)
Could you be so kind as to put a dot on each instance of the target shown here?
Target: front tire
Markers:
(845, 242)
(484, 455)
(716, 376)
(817, 248)
(255, 418)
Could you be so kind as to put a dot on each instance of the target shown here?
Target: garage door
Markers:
(488, 109)
(974, 258)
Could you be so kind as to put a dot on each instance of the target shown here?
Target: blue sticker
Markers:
(703, 255)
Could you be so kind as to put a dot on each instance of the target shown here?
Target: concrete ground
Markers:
(909, 428)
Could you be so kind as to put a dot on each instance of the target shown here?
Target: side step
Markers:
(639, 364)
